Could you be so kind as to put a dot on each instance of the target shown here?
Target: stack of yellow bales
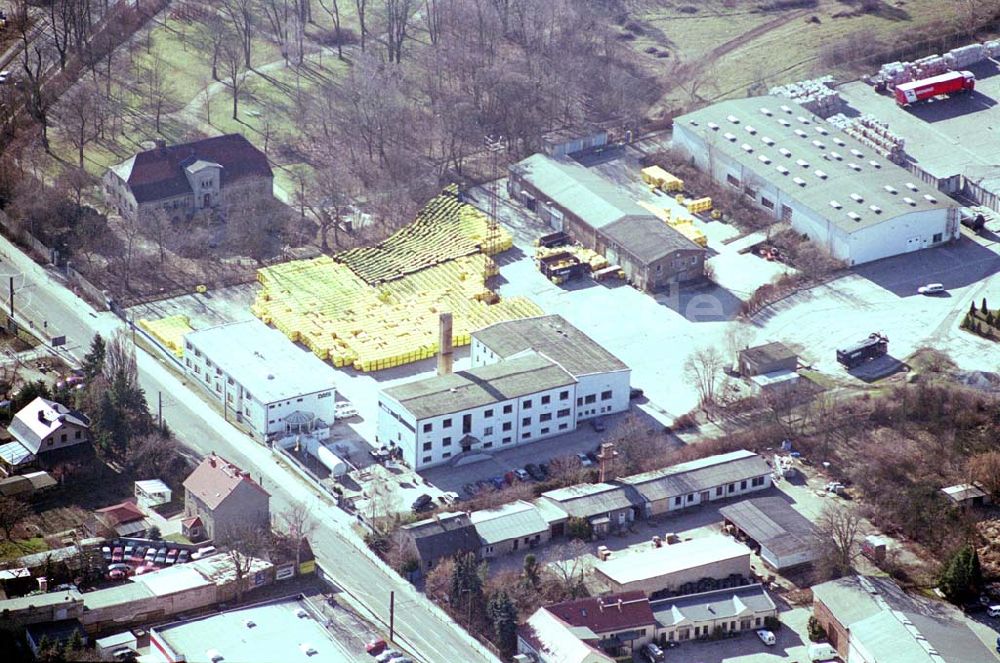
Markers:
(584, 255)
(169, 331)
(699, 205)
(661, 179)
(378, 308)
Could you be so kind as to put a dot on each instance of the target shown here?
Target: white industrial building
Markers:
(531, 379)
(828, 185)
(602, 380)
(262, 379)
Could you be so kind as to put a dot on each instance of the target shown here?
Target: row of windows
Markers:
(486, 445)
(507, 409)
(755, 482)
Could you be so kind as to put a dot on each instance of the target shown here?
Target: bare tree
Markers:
(12, 513)
(332, 8)
(280, 15)
(361, 6)
(397, 18)
(985, 468)
(119, 360)
(157, 87)
(297, 523)
(837, 531)
(739, 334)
(234, 71)
(244, 542)
(78, 113)
(34, 56)
(702, 371)
(241, 17)
(568, 568)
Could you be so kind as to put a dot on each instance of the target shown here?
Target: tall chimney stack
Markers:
(446, 349)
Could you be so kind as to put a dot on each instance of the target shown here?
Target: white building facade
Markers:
(835, 190)
(436, 419)
(261, 378)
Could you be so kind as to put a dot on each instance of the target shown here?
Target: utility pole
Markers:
(159, 408)
(392, 615)
(12, 298)
(494, 145)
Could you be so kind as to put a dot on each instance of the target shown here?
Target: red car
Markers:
(375, 647)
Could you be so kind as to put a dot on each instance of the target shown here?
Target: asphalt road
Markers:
(421, 627)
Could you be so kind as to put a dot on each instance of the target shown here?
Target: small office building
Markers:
(731, 610)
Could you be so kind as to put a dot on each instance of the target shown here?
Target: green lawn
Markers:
(11, 550)
(177, 538)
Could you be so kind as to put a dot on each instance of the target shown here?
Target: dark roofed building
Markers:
(181, 180)
(767, 358)
(786, 537)
(616, 623)
(602, 217)
(605, 506)
(441, 537)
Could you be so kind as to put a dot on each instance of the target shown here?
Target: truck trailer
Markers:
(874, 346)
(948, 83)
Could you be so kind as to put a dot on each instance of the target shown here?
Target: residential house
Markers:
(619, 623)
(224, 498)
(181, 180)
(509, 528)
(699, 481)
(443, 536)
(605, 506)
(967, 494)
(123, 520)
(730, 610)
(872, 620)
(783, 537)
(548, 639)
(47, 432)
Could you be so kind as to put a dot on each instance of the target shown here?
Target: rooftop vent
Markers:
(766, 111)
(909, 201)
(857, 153)
(857, 198)
(750, 130)
(733, 119)
(911, 186)
(783, 122)
(874, 164)
(838, 141)
(249, 623)
(781, 169)
(800, 133)
(875, 208)
(785, 152)
(835, 205)
(821, 131)
(819, 144)
(746, 147)
(693, 123)
(854, 166)
(763, 158)
(786, 109)
(799, 181)
(802, 162)
(820, 174)
(730, 137)
(854, 215)
(301, 613)
(891, 189)
(837, 155)
(766, 140)
(713, 126)
(929, 198)
(803, 120)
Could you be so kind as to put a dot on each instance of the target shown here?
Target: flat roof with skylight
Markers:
(811, 161)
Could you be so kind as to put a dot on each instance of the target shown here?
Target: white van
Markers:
(822, 651)
(993, 611)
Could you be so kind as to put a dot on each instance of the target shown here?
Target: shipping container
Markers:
(920, 90)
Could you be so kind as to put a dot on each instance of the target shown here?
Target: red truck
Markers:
(949, 83)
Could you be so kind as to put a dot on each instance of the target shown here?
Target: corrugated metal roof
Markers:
(586, 500)
(773, 523)
(698, 475)
(511, 521)
(708, 606)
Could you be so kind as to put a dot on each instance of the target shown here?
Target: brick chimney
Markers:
(446, 349)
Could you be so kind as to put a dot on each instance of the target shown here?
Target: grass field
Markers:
(11, 550)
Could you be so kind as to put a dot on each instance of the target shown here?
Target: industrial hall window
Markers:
(732, 180)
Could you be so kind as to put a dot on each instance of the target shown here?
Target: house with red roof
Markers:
(219, 497)
(182, 180)
(589, 630)
(123, 519)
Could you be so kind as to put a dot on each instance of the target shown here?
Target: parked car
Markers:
(498, 482)
(635, 393)
(172, 555)
(422, 503)
(597, 423)
(117, 554)
(204, 551)
(388, 655)
(766, 637)
(931, 289)
(534, 471)
(117, 574)
(129, 549)
(150, 555)
(106, 552)
(183, 556)
(375, 647)
(652, 653)
(584, 461)
(522, 474)
(161, 556)
(449, 497)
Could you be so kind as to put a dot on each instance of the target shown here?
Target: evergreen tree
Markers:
(503, 614)
(531, 570)
(972, 308)
(93, 361)
(75, 642)
(962, 577)
(466, 594)
(984, 308)
(153, 533)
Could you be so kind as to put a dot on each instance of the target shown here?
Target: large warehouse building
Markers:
(261, 378)
(831, 187)
(600, 216)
